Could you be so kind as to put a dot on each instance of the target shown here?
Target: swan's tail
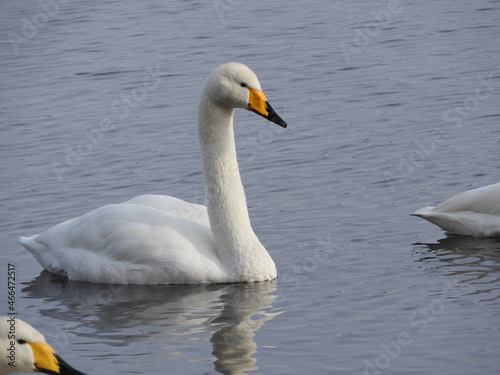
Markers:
(423, 212)
(30, 243)
(42, 254)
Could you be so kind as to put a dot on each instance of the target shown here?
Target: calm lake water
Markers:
(391, 105)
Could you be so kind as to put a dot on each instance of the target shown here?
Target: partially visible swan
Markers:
(24, 349)
(155, 239)
(474, 212)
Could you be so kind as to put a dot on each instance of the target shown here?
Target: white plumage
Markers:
(24, 349)
(154, 239)
(474, 212)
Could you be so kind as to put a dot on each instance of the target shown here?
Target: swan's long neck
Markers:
(236, 242)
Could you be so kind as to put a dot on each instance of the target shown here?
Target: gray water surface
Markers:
(391, 106)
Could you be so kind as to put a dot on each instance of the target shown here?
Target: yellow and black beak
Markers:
(48, 362)
(258, 103)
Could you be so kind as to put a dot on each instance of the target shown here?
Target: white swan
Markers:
(153, 239)
(24, 349)
(474, 212)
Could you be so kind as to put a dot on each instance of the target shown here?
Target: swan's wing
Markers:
(128, 244)
(173, 206)
(484, 200)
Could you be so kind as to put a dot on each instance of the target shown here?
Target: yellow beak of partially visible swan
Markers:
(48, 362)
(27, 351)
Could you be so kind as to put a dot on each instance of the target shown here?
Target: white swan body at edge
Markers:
(474, 212)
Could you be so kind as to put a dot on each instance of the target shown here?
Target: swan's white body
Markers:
(474, 212)
(24, 349)
(155, 239)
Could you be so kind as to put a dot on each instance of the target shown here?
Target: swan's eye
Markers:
(243, 84)
(21, 341)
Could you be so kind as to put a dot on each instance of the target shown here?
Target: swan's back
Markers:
(485, 200)
(474, 212)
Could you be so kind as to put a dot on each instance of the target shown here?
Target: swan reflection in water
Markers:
(465, 246)
(471, 262)
(167, 319)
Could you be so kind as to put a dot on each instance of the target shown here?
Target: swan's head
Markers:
(24, 350)
(234, 85)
